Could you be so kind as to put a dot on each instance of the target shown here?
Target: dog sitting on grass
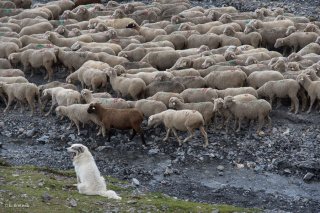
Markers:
(90, 182)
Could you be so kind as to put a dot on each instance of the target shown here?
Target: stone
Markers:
(30, 132)
(100, 148)
(287, 171)
(220, 168)
(308, 176)
(153, 151)
(135, 182)
(46, 197)
(73, 202)
(168, 171)
(43, 139)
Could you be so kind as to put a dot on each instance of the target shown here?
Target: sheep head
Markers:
(14, 58)
(93, 107)
(208, 63)
(76, 46)
(101, 27)
(228, 101)
(293, 66)
(123, 54)
(184, 27)
(175, 20)
(173, 102)
(118, 13)
(154, 120)
(225, 18)
(203, 48)
(217, 104)
(82, 11)
(60, 29)
(249, 28)
(251, 60)
(279, 43)
(229, 56)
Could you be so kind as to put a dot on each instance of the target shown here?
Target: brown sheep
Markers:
(226, 79)
(23, 92)
(122, 119)
(281, 89)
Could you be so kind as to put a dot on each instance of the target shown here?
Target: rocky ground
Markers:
(279, 170)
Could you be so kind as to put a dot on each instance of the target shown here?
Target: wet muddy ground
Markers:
(278, 171)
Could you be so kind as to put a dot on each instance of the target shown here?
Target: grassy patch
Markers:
(24, 189)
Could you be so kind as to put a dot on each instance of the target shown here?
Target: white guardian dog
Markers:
(90, 182)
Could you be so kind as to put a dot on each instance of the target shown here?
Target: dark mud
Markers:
(279, 171)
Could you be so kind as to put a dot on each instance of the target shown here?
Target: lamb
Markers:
(253, 38)
(22, 92)
(281, 89)
(148, 107)
(161, 60)
(39, 28)
(183, 120)
(7, 48)
(36, 59)
(118, 118)
(77, 113)
(259, 78)
(62, 97)
(312, 88)
(236, 91)
(296, 40)
(135, 87)
(199, 95)
(255, 109)
(5, 64)
(205, 108)
(211, 40)
(11, 73)
(226, 79)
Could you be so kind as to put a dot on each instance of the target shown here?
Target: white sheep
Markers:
(182, 120)
(77, 113)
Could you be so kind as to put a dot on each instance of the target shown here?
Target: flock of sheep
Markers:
(175, 64)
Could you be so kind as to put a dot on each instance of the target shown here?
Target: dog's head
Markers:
(78, 150)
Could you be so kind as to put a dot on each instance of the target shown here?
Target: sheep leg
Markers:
(278, 103)
(312, 99)
(31, 104)
(205, 135)
(294, 104)
(133, 134)
(8, 104)
(239, 127)
(191, 134)
(260, 123)
(70, 125)
(175, 134)
(49, 72)
(52, 106)
(304, 99)
(226, 123)
(167, 135)
(78, 126)
(3, 98)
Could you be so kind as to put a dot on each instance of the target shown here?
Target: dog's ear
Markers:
(80, 149)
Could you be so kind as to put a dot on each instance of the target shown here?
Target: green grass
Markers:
(22, 188)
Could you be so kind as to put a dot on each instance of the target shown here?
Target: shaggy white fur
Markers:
(90, 182)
